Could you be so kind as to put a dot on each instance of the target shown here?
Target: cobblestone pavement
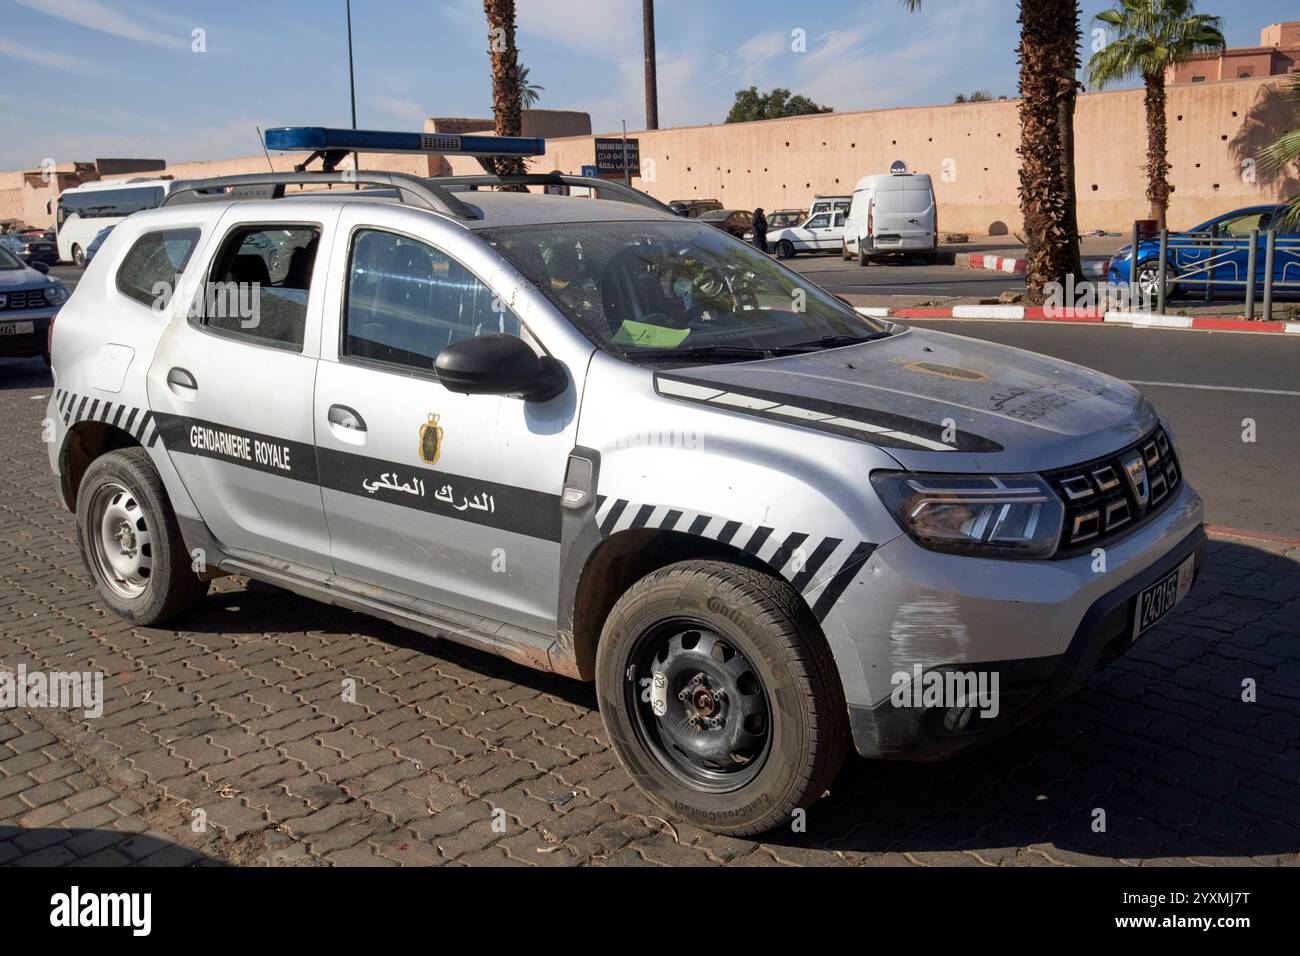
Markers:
(240, 715)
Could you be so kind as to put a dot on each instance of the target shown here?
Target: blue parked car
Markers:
(1232, 230)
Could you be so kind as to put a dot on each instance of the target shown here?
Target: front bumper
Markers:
(1040, 626)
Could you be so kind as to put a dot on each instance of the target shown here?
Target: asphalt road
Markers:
(1207, 384)
(901, 277)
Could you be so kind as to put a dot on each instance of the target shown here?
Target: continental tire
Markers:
(720, 696)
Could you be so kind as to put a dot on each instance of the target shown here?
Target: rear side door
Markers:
(904, 212)
(448, 498)
(231, 387)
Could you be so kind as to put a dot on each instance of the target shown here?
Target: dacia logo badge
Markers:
(430, 440)
(1135, 469)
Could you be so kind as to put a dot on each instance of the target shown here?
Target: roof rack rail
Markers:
(412, 190)
(617, 191)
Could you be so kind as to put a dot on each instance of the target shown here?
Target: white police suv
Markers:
(616, 444)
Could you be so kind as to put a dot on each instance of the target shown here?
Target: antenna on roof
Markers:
(270, 165)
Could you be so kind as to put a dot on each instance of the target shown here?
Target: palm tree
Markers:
(506, 95)
(1154, 35)
(529, 93)
(1048, 50)
(1283, 153)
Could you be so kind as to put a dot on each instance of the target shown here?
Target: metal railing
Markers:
(1214, 262)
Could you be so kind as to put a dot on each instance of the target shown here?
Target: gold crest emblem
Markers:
(430, 440)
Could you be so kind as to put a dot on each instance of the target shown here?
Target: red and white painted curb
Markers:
(971, 260)
(1148, 320)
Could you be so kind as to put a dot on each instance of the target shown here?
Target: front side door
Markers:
(231, 386)
(812, 234)
(448, 498)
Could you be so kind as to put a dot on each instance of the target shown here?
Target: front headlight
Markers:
(1014, 516)
(56, 294)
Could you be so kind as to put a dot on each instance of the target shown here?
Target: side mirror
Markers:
(499, 365)
(42, 267)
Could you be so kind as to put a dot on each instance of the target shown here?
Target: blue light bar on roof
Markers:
(383, 141)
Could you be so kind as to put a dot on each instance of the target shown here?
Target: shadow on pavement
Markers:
(54, 846)
(1161, 741)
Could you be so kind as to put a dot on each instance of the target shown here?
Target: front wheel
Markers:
(720, 696)
(785, 249)
(78, 256)
(130, 543)
(1148, 279)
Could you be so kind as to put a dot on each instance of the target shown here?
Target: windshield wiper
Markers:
(835, 341)
(711, 351)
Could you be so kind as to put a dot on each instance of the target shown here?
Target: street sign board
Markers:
(609, 156)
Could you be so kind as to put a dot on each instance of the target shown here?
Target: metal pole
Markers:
(1162, 275)
(627, 180)
(651, 82)
(1270, 245)
(352, 85)
(1209, 273)
(1251, 262)
(1133, 268)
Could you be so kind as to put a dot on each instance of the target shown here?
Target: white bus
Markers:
(84, 210)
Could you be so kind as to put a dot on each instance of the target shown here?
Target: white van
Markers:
(892, 213)
(831, 204)
(84, 210)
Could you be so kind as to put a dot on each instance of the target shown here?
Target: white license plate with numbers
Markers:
(17, 328)
(1155, 602)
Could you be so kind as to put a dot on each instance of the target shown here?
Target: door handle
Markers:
(181, 378)
(346, 417)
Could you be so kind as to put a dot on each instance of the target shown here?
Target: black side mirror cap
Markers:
(41, 267)
(497, 364)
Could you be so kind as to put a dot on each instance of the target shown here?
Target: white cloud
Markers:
(94, 15)
(48, 58)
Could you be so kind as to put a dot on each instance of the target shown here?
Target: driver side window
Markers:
(407, 301)
(820, 221)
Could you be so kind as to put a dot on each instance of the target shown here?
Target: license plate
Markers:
(17, 328)
(1158, 600)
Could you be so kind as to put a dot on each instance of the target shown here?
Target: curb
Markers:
(972, 260)
(1142, 320)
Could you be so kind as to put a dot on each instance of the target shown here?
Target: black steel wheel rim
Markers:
(698, 705)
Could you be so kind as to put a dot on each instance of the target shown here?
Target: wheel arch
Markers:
(624, 558)
(82, 444)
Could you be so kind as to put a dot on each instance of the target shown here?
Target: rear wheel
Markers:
(130, 543)
(78, 256)
(862, 255)
(785, 249)
(720, 696)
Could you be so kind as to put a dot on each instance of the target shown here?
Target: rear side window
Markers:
(152, 267)
(259, 284)
(407, 301)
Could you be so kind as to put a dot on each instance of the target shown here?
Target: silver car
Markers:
(623, 446)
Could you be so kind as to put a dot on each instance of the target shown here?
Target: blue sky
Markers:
(100, 78)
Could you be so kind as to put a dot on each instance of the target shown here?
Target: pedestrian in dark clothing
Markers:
(760, 230)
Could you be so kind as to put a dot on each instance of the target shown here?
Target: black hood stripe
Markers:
(872, 426)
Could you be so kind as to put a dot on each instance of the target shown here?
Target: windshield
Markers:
(8, 260)
(656, 291)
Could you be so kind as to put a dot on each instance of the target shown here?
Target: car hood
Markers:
(934, 401)
(22, 279)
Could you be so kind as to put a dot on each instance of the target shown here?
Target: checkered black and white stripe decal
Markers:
(75, 408)
(819, 567)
